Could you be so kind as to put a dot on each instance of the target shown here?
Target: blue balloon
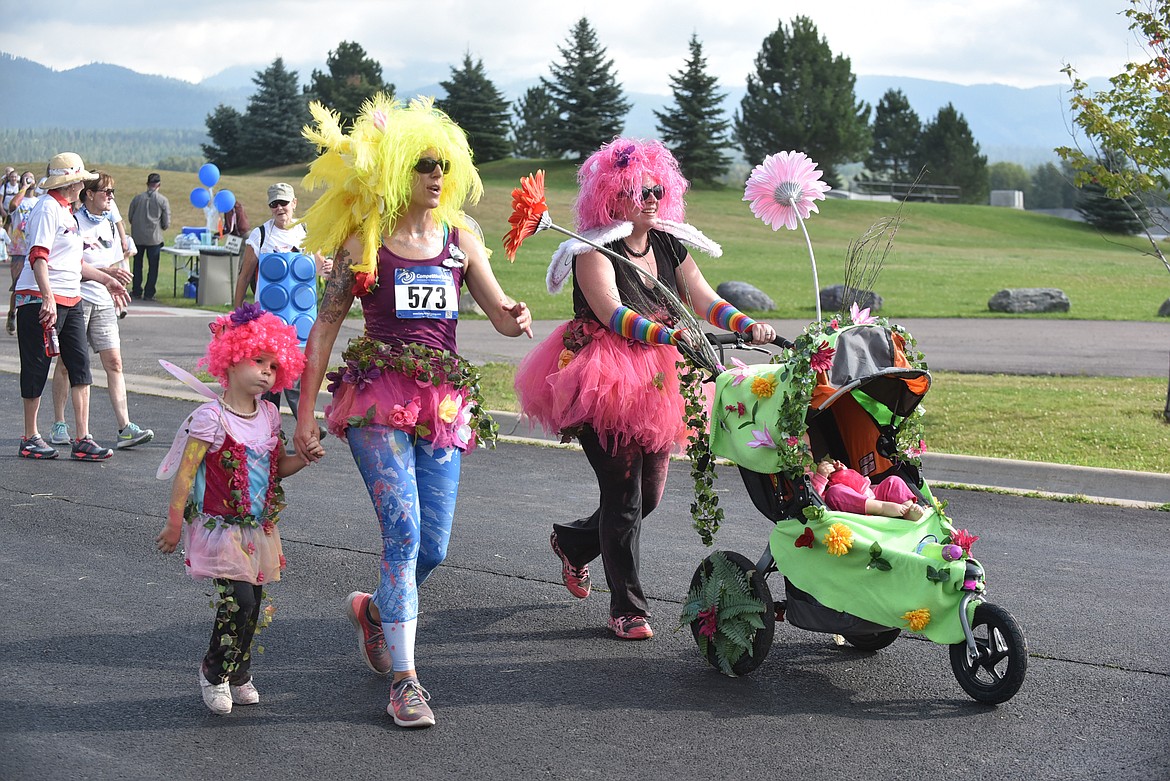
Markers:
(209, 174)
(200, 197)
(225, 201)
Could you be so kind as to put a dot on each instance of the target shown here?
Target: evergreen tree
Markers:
(801, 98)
(532, 127)
(1052, 187)
(1126, 214)
(479, 108)
(272, 123)
(695, 130)
(352, 78)
(590, 106)
(896, 129)
(225, 129)
(951, 157)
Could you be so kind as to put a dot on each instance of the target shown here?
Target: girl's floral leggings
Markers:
(413, 488)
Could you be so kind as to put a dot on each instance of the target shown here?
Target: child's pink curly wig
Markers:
(615, 172)
(248, 332)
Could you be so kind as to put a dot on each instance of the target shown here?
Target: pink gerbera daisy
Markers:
(783, 187)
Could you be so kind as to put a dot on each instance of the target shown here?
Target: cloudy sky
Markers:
(1022, 43)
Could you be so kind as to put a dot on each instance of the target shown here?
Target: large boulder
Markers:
(836, 298)
(1023, 300)
(467, 305)
(1164, 311)
(741, 295)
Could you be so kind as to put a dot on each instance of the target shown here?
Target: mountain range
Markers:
(1009, 123)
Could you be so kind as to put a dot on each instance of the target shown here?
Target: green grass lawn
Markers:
(948, 261)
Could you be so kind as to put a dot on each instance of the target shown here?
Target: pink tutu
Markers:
(231, 551)
(624, 390)
(393, 390)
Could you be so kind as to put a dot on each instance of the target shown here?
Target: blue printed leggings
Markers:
(413, 488)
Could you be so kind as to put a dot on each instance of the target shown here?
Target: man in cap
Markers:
(150, 215)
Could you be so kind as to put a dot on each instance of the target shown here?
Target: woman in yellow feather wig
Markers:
(392, 213)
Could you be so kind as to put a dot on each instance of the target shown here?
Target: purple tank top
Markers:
(442, 278)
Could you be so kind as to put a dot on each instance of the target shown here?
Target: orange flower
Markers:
(839, 539)
(564, 358)
(917, 619)
(763, 387)
(529, 212)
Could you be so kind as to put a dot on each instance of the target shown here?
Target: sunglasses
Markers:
(274, 204)
(427, 165)
(656, 191)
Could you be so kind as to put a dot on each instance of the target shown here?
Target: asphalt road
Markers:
(101, 637)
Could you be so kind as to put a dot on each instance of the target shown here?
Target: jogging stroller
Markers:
(862, 577)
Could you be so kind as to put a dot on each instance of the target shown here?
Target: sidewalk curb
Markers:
(1144, 490)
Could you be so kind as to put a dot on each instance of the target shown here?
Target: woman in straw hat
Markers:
(48, 311)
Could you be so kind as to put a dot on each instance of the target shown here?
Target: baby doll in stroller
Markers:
(865, 577)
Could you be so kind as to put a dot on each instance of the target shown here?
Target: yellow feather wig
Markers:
(368, 173)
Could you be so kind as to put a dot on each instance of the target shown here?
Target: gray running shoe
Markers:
(133, 435)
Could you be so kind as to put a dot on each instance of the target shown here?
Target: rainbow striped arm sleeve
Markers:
(723, 315)
(630, 324)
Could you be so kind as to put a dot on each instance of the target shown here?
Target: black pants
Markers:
(152, 253)
(631, 482)
(232, 660)
(30, 337)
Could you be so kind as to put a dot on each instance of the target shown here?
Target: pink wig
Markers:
(614, 172)
(248, 332)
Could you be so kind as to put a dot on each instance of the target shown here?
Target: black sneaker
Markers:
(35, 447)
(85, 449)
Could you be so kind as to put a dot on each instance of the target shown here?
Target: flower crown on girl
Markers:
(248, 332)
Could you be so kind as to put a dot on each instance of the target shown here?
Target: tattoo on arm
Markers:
(338, 289)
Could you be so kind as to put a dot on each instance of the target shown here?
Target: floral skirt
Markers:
(230, 550)
(408, 392)
(625, 390)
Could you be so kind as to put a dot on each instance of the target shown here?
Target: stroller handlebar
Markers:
(738, 340)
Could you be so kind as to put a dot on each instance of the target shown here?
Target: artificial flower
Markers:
(708, 622)
(186, 562)
(783, 187)
(806, 539)
(822, 358)
(916, 451)
(839, 539)
(259, 577)
(964, 539)
(792, 441)
(529, 213)
(738, 374)
(764, 387)
(463, 430)
(564, 358)
(246, 313)
(658, 380)
(917, 619)
(251, 548)
(335, 378)
(364, 282)
(283, 564)
(362, 377)
(449, 408)
(762, 438)
(861, 316)
(405, 417)
(739, 408)
(834, 324)
(268, 525)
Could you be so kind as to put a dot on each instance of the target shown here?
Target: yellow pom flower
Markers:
(448, 409)
(917, 619)
(839, 539)
(764, 387)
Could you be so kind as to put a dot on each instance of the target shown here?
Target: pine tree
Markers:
(479, 108)
(532, 127)
(948, 152)
(590, 105)
(352, 78)
(801, 98)
(225, 129)
(896, 130)
(272, 123)
(1112, 215)
(1052, 188)
(695, 130)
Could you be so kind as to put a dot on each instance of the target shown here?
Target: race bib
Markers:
(425, 292)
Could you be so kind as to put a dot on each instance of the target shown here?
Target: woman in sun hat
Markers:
(48, 310)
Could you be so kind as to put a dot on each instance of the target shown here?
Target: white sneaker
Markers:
(216, 696)
(59, 434)
(245, 694)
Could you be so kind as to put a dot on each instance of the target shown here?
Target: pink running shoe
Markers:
(631, 627)
(408, 704)
(576, 579)
(371, 641)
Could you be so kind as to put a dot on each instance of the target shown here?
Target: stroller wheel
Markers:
(875, 642)
(996, 671)
(761, 639)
